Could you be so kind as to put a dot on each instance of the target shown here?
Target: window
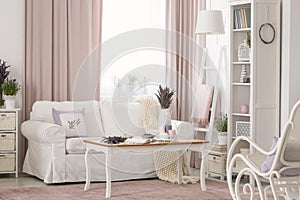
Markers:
(137, 70)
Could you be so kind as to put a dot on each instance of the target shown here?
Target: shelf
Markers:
(12, 131)
(241, 63)
(7, 151)
(242, 30)
(9, 110)
(12, 134)
(8, 172)
(234, 137)
(241, 84)
(241, 114)
(258, 87)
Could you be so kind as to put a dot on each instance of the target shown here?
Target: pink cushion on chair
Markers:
(266, 166)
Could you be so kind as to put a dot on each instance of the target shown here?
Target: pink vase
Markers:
(245, 109)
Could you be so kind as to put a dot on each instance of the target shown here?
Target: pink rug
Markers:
(138, 189)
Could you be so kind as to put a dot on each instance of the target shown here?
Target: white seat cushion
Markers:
(76, 145)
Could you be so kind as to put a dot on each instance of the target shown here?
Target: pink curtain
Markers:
(183, 58)
(60, 34)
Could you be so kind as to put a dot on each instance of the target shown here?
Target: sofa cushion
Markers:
(72, 121)
(77, 146)
(122, 118)
(266, 166)
(42, 111)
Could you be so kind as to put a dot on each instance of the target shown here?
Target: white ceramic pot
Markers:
(164, 118)
(222, 138)
(10, 101)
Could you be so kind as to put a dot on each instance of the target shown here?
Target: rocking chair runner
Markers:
(286, 151)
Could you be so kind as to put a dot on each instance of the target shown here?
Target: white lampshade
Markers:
(210, 22)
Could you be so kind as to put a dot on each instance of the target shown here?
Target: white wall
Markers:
(290, 69)
(218, 51)
(11, 48)
(11, 38)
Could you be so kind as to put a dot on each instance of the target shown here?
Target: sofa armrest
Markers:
(43, 132)
(184, 130)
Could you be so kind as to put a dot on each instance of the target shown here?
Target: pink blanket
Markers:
(202, 105)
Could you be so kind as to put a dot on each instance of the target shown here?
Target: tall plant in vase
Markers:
(165, 98)
(3, 75)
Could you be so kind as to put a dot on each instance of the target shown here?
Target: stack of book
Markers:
(219, 148)
(241, 18)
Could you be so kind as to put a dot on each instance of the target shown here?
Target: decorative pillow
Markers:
(266, 166)
(73, 121)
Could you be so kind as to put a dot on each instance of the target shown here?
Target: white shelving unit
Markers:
(9, 137)
(262, 94)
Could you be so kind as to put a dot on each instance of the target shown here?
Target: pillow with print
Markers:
(73, 121)
(266, 166)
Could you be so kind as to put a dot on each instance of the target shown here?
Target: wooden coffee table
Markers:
(179, 146)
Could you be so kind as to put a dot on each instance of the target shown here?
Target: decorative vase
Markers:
(10, 101)
(244, 74)
(222, 138)
(244, 109)
(244, 52)
(164, 118)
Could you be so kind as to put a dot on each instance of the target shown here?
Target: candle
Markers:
(172, 134)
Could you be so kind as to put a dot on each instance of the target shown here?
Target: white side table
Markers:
(9, 140)
(108, 149)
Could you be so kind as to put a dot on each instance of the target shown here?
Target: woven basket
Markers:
(7, 121)
(214, 164)
(7, 162)
(7, 141)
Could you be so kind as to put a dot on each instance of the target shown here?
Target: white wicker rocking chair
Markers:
(287, 151)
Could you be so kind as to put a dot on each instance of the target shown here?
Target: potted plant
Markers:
(165, 98)
(10, 88)
(3, 75)
(221, 126)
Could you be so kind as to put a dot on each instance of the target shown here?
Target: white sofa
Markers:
(54, 158)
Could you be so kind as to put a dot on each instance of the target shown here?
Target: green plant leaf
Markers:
(10, 87)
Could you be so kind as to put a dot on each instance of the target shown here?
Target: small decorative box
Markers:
(242, 128)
